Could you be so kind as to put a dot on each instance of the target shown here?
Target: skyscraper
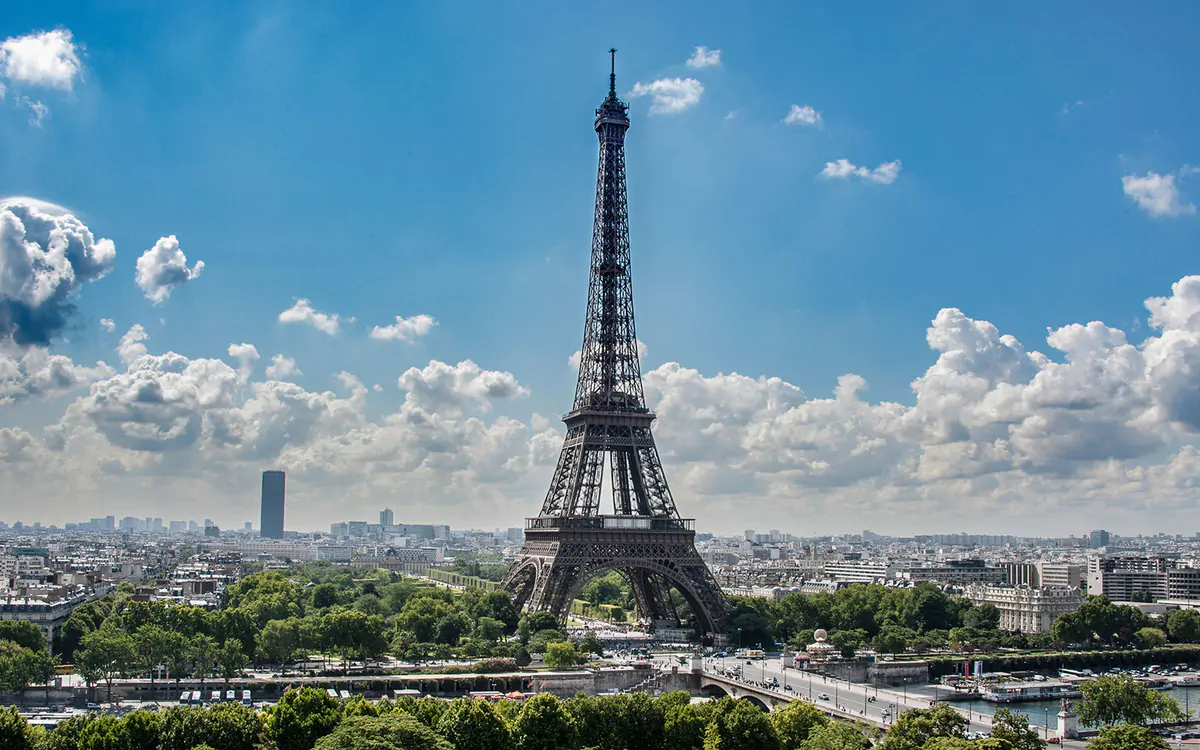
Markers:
(386, 517)
(271, 524)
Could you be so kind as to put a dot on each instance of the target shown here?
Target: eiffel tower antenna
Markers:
(643, 537)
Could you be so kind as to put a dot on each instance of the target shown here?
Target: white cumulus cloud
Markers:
(447, 388)
(108, 324)
(670, 95)
(704, 57)
(405, 329)
(43, 58)
(884, 174)
(1157, 194)
(32, 371)
(247, 357)
(131, 347)
(282, 368)
(805, 115)
(163, 268)
(303, 312)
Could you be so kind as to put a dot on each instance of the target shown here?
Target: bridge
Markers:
(768, 683)
(718, 686)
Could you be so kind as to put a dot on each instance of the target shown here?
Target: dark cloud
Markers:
(46, 255)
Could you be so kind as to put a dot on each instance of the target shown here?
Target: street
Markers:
(871, 702)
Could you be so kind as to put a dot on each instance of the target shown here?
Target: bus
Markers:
(751, 653)
(246, 698)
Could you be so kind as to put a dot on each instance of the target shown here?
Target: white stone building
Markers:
(1028, 609)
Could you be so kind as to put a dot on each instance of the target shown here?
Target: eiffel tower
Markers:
(644, 539)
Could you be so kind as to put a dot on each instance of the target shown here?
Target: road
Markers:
(867, 701)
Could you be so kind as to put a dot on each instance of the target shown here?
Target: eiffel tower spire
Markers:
(643, 537)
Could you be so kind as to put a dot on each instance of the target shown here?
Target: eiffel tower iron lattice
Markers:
(644, 539)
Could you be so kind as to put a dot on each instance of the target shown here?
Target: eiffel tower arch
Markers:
(609, 434)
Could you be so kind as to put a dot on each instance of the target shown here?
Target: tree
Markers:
(21, 667)
(982, 617)
(204, 653)
(795, 722)
(740, 725)
(597, 721)
(141, 730)
(489, 629)
(278, 640)
(541, 621)
(837, 735)
(590, 644)
(427, 710)
(23, 633)
(370, 604)
(915, 728)
(15, 733)
(421, 616)
(452, 627)
(561, 655)
(232, 726)
(893, 639)
(231, 659)
(1184, 625)
(393, 731)
(475, 725)
(181, 728)
(1118, 698)
(107, 653)
(301, 718)
(1150, 638)
(1127, 737)
(1099, 621)
(1012, 727)
(683, 724)
(543, 725)
(151, 644)
(544, 638)
(848, 641)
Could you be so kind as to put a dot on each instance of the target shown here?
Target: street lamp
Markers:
(1046, 722)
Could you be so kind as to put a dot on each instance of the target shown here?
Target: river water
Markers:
(1045, 713)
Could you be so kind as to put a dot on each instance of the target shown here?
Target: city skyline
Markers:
(381, 296)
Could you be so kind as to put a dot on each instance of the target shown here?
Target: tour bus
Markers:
(751, 653)
(230, 696)
(246, 698)
(185, 697)
(216, 697)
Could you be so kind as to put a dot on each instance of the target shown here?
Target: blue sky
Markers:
(439, 160)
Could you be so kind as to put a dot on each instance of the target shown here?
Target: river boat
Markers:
(1020, 692)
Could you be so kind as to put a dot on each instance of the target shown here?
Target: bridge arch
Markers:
(712, 690)
(756, 701)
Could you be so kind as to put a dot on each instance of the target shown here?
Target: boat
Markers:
(1154, 683)
(1190, 681)
(1020, 692)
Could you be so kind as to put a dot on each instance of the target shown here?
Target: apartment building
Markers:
(1028, 609)
(1141, 577)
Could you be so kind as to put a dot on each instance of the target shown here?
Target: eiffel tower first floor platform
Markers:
(561, 554)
